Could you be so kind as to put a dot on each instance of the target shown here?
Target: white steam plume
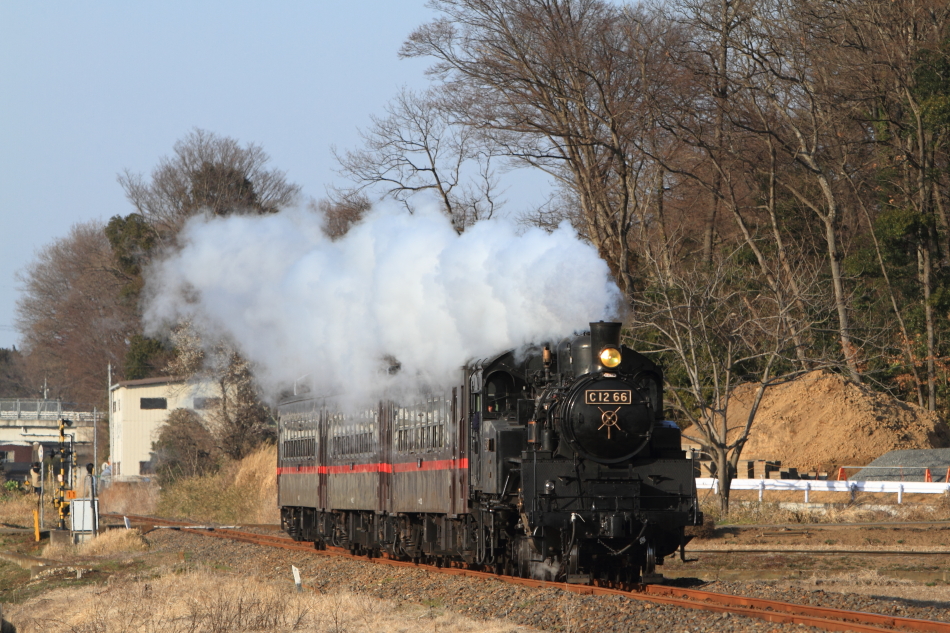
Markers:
(397, 285)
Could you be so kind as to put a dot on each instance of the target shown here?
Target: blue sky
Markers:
(89, 89)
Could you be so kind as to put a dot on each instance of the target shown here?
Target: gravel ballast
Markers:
(907, 465)
(544, 609)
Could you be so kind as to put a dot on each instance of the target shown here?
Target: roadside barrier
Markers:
(808, 486)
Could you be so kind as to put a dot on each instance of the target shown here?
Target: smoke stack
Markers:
(603, 334)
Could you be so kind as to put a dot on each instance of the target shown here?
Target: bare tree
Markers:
(697, 111)
(895, 57)
(73, 317)
(207, 174)
(13, 381)
(241, 421)
(341, 212)
(721, 331)
(793, 102)
(698, 114)
(416, 148)
(555, 84)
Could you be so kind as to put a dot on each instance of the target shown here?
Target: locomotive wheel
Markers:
(573, 560)
(649, 563)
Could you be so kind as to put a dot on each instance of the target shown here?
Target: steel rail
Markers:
(769, 610)
(822, 552)
(832, 526)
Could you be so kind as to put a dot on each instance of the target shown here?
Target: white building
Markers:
(138, 409)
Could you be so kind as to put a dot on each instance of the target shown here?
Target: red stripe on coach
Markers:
(402, 467)
(431, 464)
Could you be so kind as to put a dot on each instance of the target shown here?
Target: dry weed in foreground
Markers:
(114, 542)
(110, 542)
(205, 603)
(862, 578)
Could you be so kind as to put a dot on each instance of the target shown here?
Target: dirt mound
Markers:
(821, 419)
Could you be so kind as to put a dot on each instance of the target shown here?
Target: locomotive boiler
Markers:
(554, 462)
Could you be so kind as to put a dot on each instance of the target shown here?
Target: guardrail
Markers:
(75, 416)
(807, 486)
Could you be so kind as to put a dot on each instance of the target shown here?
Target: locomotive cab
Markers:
(501, 392)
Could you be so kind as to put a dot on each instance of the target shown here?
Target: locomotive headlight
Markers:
(610, 357)
(548, 486)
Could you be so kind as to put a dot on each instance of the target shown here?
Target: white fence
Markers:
(808, 486)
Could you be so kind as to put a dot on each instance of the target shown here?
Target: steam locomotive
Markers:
(554, 464)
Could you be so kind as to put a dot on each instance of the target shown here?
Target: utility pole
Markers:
(108, 409)
(95, 440)
(41, 457)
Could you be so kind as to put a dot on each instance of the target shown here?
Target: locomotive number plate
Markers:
(608, 396)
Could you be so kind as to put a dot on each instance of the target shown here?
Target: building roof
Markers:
(161, 380)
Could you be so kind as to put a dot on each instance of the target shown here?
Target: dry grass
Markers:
(241, 492)
(106, 544)
(129, 498)
(205, 603)
(257, 474)
(16, 509)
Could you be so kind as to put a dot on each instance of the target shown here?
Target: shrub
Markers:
(184, 448)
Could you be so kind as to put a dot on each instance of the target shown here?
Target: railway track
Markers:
(820, 552)
(763, 609)
(831, 526)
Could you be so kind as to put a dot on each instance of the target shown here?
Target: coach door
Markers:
(458, 432)
(473, 420)
(384, 457)
(322, 454)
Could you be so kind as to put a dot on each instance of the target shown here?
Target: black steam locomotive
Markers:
(554, 464)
